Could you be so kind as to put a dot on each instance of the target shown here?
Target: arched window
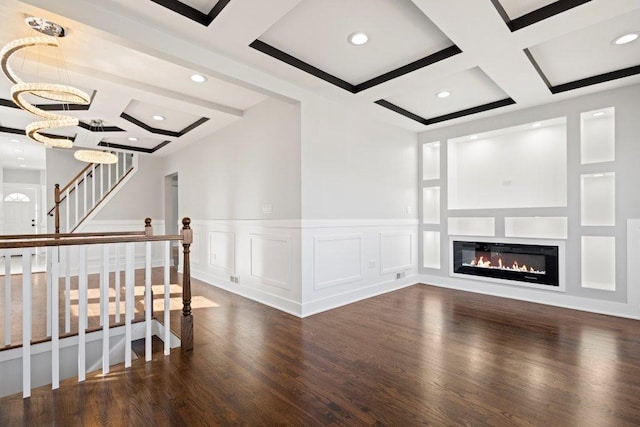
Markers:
(17, 197)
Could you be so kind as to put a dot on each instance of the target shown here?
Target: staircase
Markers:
(90, 190)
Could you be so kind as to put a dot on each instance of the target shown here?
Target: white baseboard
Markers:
(334, 301)
(610, 308)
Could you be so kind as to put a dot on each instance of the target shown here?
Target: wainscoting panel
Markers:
(271, 259)
(222, 251)
(396, 251)
(337, 260)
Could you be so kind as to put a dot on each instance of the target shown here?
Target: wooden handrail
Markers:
(70, 241)
(86, 168)
(63, 235)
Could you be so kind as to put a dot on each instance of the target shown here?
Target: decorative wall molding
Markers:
(222, 251)
(396, 251)
(337, 260)
(270, 259)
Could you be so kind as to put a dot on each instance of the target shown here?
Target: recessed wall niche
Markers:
(597, 136)
(598, 199)
(523, 166)
(431, 249)
(431, 160)
(431, 205)
(599, 262)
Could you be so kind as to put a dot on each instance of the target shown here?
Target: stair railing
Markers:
(68, 262)
(83, 194)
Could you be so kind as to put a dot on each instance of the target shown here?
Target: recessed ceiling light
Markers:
(598, 114)
(358, 38)
(536, 125)
(18, 150)
(198, 78)
(20, 158)
(158, 117)
(132, 138)
(443, 94)
(625, 38)
(14, 140)
(473, 137)
(23, 166)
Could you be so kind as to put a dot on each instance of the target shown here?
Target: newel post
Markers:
(56, 211)
(186, 336)
(148, 228)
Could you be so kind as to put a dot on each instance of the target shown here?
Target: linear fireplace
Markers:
(528, 263)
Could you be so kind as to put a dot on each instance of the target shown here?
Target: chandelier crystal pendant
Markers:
(50, 91)
(95, 156)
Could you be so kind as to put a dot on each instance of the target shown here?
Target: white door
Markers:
(20, 213)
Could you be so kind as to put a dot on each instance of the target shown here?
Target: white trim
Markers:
(253, 237)
(306, 223)
(556, 299)
(400, 267)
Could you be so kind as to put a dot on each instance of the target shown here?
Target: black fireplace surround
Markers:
(508, 261)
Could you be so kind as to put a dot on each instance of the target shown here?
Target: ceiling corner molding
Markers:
(157, 131)
(349, 87)
(537, 15)
(14, 131)
(580, 83)
(191, 13)
(133, 148)
(445, 117)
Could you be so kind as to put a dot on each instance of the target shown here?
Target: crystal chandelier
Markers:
(95, 156)
(50, 91)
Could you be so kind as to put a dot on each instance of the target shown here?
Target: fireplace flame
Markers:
(482, 263)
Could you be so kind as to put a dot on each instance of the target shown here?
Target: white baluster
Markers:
(26, 322)
(104, 301)
(67, 289)
(82, 311)
(128, 301)
(67, 211)
(55, 335)
(7, 298)
(110, 182)
(167, 297)
(148, 302)
(93, 185)
(117, 282)
(48, 291)
(84, 191)
(77, 218)
(101, 182)
(103, 278)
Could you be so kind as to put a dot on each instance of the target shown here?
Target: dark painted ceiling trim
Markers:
(537, 15)
(587, 81)
(191, 13)
(53, 107)
(132, 148)
(445, 117)
(170, 133)
(90, 128)
(301, 65)
(336, 81)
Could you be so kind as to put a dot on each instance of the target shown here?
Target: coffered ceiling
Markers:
(492, 56)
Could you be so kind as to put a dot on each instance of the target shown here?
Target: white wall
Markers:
(355, 167)
(249, 164)
(627, 201)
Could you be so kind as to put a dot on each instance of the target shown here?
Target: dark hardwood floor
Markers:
(418, 356)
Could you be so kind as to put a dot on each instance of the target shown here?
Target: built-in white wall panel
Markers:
(271, 259)
(599, 262)
(518, 167)
(431, 249)
(431, 205)
(472, 226)
(395, 252)
(599, 199)
(222, 251)
(536, 227)
(337, 260)
(597, 136)
(431, 160)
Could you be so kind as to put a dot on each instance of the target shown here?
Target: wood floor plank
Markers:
(418, 356)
